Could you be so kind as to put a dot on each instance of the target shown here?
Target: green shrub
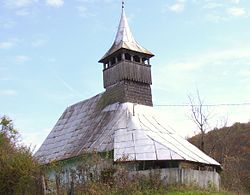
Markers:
(20, 173)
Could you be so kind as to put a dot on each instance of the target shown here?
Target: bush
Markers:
(20, 173)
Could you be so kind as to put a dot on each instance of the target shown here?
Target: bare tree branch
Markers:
(199, 115)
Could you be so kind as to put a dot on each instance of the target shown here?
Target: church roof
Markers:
(132, 131)
(124, 39)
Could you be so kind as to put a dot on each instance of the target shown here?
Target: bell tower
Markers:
(127, 69)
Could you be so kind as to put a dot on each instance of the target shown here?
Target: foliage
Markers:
(19, 171)
(93, 175)
(231, 147)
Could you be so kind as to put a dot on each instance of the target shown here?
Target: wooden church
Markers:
(122, 121)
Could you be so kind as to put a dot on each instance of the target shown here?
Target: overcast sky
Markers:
(49, 51)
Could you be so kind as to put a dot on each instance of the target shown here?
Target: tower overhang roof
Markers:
(127, 46)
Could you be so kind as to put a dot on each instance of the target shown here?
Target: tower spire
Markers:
(124, 39)
(124, 34)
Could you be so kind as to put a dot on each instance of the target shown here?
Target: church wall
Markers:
(69, 175)
(187, 177)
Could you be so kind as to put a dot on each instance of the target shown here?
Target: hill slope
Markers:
(231, 147)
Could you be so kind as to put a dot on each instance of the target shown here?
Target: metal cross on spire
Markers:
(123, 2)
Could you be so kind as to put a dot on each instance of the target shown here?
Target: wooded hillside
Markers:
(231, 147)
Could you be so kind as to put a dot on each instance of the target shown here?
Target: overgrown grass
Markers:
(92, 176)
(99, 189)
(192, 192)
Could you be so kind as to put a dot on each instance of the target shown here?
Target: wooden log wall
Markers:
(127, 70)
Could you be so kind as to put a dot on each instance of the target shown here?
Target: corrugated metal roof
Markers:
(124, 39)
(132, 131)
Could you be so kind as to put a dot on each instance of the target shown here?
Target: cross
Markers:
(123, 4)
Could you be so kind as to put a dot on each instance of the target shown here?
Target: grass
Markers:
(180, 192)
(194, 193)
(165, 192)
(162, 191)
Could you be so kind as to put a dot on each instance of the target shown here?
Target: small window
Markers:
(144, 60)
(147, 165)
(105, 65)
(112, 61)
(119, 57)
(137, 59)
(127, 56)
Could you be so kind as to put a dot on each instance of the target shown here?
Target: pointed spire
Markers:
(124, 39)
(124, 33)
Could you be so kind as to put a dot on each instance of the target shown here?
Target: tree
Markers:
(19, 171)
(199, 115)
